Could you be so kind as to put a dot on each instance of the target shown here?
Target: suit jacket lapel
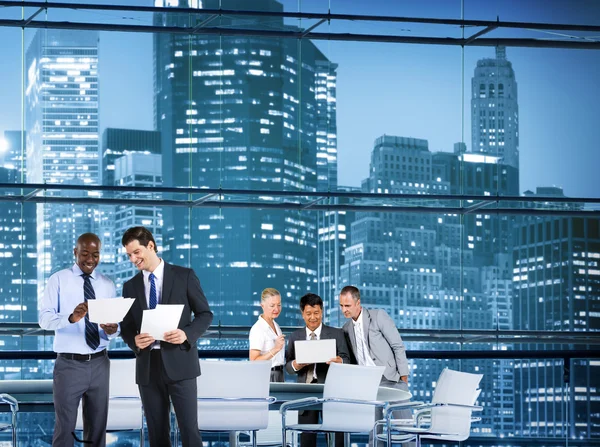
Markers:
(366, 323)
(138, 287)
(167, 284)
(351, 335)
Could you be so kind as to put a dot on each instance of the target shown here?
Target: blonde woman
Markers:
(266, 339)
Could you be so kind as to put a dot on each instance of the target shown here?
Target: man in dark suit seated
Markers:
(311, 306)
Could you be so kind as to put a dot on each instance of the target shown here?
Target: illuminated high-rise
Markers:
(495, 110)
(245, 113)
(61, 125)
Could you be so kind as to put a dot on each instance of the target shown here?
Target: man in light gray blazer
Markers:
(374, 341)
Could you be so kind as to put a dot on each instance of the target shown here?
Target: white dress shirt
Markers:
(359, 335)
(159, 276)
(262, 338)
(63, 293)
(317, 332)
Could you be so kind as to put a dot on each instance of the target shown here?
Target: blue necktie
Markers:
(153, 300)
(92, 336)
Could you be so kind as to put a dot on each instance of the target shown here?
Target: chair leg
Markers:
(14, 429)
(417, 441)
(283, 431)
(253, 438)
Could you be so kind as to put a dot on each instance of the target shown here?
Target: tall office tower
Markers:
(115, 144)
(143, 170)
(62, 136)
(119, 142)
(333, 239)
(494, 109)
(557, 288)
(242, 113)
(326, 105)
(18, 302)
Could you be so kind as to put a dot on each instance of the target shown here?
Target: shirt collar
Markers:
(78, 272)
(317, 331)
(359, 320)
(158, 272)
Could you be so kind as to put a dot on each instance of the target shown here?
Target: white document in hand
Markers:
(164, 318)
(314, 351)
(109, 310)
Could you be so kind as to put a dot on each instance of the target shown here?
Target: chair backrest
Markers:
(454, 387)
(350, 382)
(272, 434)
(123, 414)
(233, 379)
(122, 379)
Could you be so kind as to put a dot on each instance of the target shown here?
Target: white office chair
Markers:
(272, 434)
(234, 396)
(349, 401)
(14, 409)
(125, 410)
(448, 417)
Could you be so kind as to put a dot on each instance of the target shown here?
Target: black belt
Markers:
(277, 368)
(83, 357)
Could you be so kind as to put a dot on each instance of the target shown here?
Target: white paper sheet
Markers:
(164, 318)
(314, 351)
(109, 310)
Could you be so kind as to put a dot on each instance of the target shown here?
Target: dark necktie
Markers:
(92, 336)
(153, 299)
(310, 369)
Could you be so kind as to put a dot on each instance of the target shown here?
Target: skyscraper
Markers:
(62, 136)
(494, 109)
(244, 113)
(557, 288)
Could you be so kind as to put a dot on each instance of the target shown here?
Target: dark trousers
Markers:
(310, 439)
(75, 381)
(156, 398)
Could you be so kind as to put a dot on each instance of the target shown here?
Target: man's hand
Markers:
(78, 313)
(336, 359)
(404, 378)
(110, 328)
(176, 337)
(142, 341)
(298, 366)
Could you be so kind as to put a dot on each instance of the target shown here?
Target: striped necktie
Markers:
(153, 298)
(92, 336)
(310, 369)
(360, 344)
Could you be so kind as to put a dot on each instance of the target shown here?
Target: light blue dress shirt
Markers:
(63, 293)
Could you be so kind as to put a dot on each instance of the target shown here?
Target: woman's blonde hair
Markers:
(267, 293)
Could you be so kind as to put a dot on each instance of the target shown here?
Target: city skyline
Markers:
(551, 120)
(257, 113)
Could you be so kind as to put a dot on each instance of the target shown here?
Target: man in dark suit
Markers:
(165, 370)
(311, 306)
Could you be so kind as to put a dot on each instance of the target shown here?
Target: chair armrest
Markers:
(390, 406)
(268, 399)
(376, 403)
(298, 403)
(8, 399)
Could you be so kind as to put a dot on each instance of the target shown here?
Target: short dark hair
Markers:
(140, 234)
(310, 299)
(352, 291)
(88, 237)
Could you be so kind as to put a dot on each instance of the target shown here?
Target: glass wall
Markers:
(455, 185)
